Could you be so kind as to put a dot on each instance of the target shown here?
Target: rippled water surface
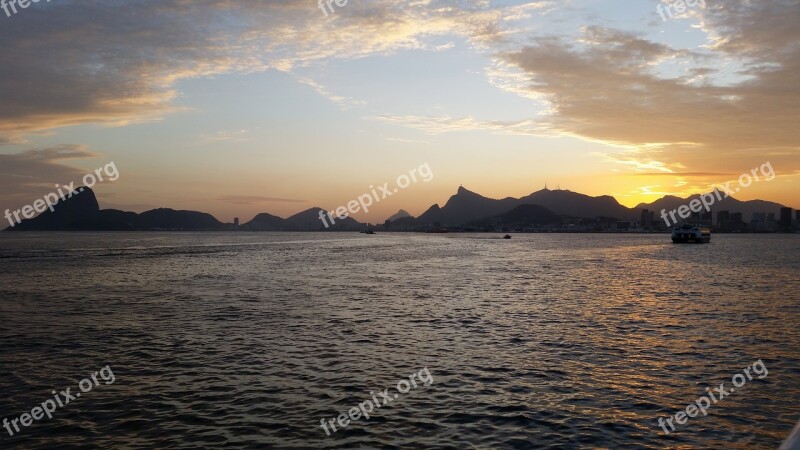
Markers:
(248, 340)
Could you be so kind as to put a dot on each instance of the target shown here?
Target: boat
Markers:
(508, 236)
(682, 234)
(793, 441)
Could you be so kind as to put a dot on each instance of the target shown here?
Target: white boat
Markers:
(699, 234)
(793, 441)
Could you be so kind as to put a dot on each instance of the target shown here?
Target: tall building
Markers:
(786, 218)
(723, 217)
(647, 219)
(759, 222)
(235, 223)
(728, 221)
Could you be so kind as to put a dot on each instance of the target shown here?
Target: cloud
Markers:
(28, 175)
(225, 136)
(445, 124)
(683, 174)
(407, 141)
(344, 102)
(606, 85)
(114, 63)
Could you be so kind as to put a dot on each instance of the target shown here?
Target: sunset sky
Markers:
(236, 107)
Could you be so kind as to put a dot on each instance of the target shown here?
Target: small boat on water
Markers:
(682, 234)
(508, 236)
(368, 231)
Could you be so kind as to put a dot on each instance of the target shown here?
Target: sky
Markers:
(237, 107)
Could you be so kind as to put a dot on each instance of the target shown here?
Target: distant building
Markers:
(236, 223)
(786, 218)
(797, 218)
(759, 222)
(723, 217)
(627, 225)
(770, 224)
(765, 222)
(701, 217)
(647, 219)
(736, 218)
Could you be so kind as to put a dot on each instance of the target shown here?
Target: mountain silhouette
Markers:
(746, 208)
(74, 212)
(170, 219)
(523, 216)
(115, 220)
(467, 206)
(309, 220)
(266, 222)
(81, 211)
(402, 214)
(568, 203)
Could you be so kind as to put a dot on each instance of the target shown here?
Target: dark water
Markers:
(248, 340)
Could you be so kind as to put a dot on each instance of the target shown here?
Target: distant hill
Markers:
(309, 220)
(80, 211)
(523, 216)
(170, 219)
(266, 222)
(747, 208)
(668, 202)
(114, 219)
(402, 214)
(573, 204)
(467, 206)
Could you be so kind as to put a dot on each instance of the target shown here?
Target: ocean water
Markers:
(242, 340)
